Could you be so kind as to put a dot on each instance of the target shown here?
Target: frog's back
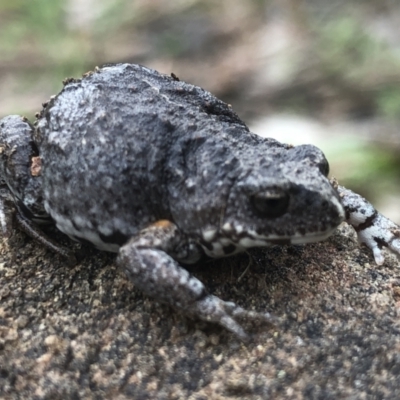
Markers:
(122, 97)
(103, 142)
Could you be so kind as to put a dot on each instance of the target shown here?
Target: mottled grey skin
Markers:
(162, 172)
(17, 149)
(126, 147)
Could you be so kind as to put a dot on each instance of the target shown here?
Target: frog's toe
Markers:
(394, 245)
(231, 316)
(378, 256)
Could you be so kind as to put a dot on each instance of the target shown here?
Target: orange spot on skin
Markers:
(162, 223)
(36, 166)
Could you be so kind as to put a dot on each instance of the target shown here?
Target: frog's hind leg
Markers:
(34, 232)
(147, 261)
(11, 217)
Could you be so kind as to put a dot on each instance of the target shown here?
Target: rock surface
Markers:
(85, 332)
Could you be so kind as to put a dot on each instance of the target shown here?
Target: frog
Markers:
(163, 173)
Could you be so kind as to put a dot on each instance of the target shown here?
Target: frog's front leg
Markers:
(149, 260)
(373, 229)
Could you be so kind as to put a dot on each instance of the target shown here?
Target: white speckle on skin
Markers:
(190, 183)
(183, 279)
(227, 227)
(105, 230)
(238, 229)
(3, 223)
(79, 221)
(195, 285)
(29, 200)
(217, 250)
(66, 226)
(209, 234)
(225, 241)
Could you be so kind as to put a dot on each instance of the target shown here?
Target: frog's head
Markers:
(285, 198)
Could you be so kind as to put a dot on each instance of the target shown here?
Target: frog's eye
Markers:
(272, 203)
(323, 166)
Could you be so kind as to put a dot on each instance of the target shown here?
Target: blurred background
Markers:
(303, 71)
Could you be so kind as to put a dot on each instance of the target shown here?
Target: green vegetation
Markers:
(361, 64)
(388, 102)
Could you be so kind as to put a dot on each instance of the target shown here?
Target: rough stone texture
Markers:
(84, 332)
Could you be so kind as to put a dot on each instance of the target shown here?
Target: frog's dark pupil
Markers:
(324, 167)
(270, 205)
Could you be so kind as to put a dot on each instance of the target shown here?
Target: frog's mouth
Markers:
(224, 246)
(254, 240)
(312, 237)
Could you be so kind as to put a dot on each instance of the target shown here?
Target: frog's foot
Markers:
(230, 315)
(373, 229)
(158, 275)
